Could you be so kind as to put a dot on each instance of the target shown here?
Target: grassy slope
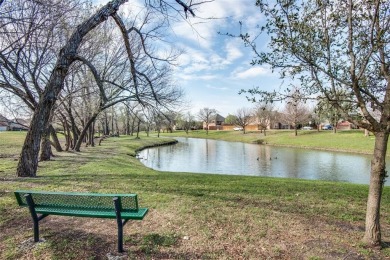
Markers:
(192, 216)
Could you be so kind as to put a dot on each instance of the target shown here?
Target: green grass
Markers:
(192, 216)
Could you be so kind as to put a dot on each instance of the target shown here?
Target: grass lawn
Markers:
(192, 216)
(347, 141)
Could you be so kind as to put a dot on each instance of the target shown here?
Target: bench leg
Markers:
(120, 237)
(119, 223)
(34, 216)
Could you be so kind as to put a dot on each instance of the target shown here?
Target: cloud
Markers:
(208, 77)
(250, 73)
(233, 50)
(212, 17)
(198, 60)
(217, 88)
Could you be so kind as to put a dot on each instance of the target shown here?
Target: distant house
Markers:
(345, 125)
(216, 123)
(18, 125)
(13, 125)
(3, 126)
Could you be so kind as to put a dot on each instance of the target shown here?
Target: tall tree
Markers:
(64, 59)
(32, 38)
(336, 47)
(206, 115)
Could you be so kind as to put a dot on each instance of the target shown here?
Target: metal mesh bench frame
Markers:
(121, 207)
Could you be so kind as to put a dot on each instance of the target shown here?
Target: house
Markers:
(13, 125)
(216, 122)
(19, 125)
(3, 126)
(345, 125)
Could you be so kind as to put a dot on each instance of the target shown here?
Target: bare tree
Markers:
(64, 58)
(186, 121)
(244, 117)
(158, 118)
(295, 113)
(205, 115)
(265, 113)
(33, 33)
(189, 122)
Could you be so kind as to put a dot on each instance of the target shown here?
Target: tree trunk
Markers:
(68, 136)
(73, 127)
(139, 123)
(127, 124)
(117, 126)
(56, 143)
(84, 132)
(46, 152)
(372, 234)
(45, 146)
(92, 133)
(28, 162)
(106, 124)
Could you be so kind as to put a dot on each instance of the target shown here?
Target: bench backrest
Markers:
(88, 201)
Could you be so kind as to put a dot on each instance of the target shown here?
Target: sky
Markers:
(214, 68)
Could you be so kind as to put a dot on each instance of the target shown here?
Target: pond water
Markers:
(234, 158)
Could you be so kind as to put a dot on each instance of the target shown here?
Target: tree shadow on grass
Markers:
(80, 238)
(385, 245)
(160, 246)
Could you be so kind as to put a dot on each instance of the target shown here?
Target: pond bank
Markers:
(167, 142)
(352, 141)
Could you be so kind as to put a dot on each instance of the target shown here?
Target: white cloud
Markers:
(217, 88)
(233, 50)
(251, 73)
(208, 77)
(212, 17)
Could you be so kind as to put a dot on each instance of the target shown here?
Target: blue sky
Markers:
(213, 68)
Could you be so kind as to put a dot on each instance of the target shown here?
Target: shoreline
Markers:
(320, 149)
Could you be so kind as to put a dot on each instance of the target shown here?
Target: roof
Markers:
(218, 117)
(346, 123)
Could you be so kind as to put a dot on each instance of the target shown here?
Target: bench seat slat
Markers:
(62, 211)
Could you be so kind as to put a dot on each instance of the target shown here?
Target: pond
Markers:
(235, 158)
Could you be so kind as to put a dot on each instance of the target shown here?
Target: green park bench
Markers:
(121, 207)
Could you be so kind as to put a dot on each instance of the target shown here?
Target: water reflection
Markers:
(220, 157)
